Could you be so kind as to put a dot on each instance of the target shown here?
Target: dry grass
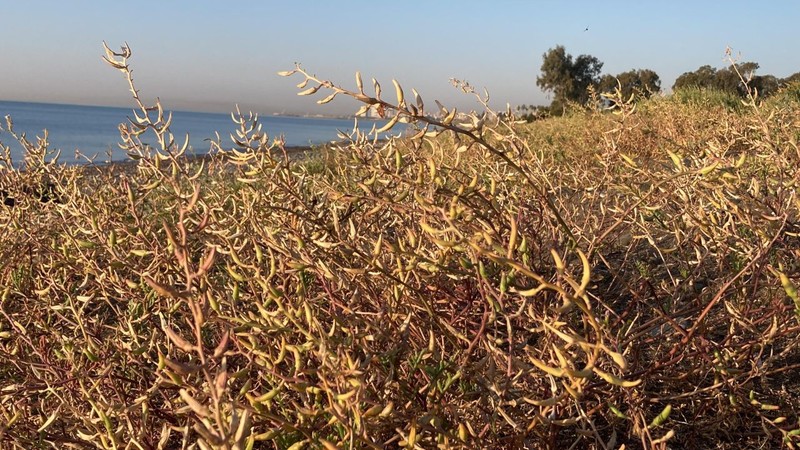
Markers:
(591, 281)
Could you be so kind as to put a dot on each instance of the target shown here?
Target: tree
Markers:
(728, 80)
(793, 78)
(734, 79)
(556, 74)
(639, 82)
(585, 73)
(765, 85)
(566, 78)
(704, 77)
(791, 86)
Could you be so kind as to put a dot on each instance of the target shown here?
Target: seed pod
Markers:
(327, 99)
(85, 244)
(587, 273)
(234, 274)
(418, 101)
(449, 117)
(708, 169)
(662, 417)
(377, 87)
(628, 160)
(512, 239)
(346, 395)
(298, 445)
(328, 445)
(617, 357)
(372, 411)
(362, 110)
(235, 293)
(90, 355)
(741, 160)
(616, 411)
(223, 344)
(463, 435)
(611, 379)
(269, 395)
(196, 406)
(675, 160)
(387, 410)
(359, 83)
(554, 371)
(399, 92)
(398, 158)
(412, 434)
(310, 91)
(482, 270)
(176, 339)
(162, 289)
(392, 122)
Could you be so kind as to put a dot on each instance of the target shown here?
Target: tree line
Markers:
(572, 80)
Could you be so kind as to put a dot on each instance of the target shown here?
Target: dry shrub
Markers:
(604, 279)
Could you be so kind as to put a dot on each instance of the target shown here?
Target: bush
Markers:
(587, 281)
(787, 95)
(708, 98)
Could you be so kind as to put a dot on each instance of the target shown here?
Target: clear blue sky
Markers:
(203, 55)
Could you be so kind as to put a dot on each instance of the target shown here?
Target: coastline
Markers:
(93, 131)
(127, 166)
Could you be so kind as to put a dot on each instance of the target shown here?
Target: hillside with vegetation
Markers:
(579, 80)
(622, 275)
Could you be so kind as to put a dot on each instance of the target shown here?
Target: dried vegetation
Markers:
(600, 280)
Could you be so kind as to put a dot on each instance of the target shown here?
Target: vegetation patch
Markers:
(618, 276)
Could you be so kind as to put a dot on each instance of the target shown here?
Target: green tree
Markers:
(639, 82)
(766, 85)
(734, 79)
(567, 78)
(790, 86)
(704, 77)
(793, 78)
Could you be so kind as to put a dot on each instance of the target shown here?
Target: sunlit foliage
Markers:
(623, 277)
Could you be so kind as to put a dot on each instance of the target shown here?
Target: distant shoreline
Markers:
(193, 111)
(89, 132)
(293, 152)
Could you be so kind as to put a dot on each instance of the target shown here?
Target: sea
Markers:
(91, 133)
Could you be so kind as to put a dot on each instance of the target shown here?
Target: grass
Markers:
(593, 280)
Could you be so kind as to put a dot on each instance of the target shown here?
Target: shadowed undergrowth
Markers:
(596, 280)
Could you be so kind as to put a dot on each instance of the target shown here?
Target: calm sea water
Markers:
(93, 130)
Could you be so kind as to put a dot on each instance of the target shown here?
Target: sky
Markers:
(211, 56)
